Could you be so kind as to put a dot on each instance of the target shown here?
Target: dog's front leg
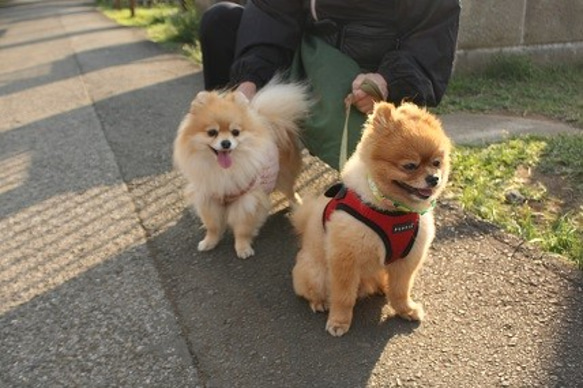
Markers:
(212, 215)
(246, 216)
(343, 282)
(401, 279)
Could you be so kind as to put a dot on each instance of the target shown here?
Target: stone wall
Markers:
(549, 31)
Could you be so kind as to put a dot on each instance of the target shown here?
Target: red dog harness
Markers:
(397, 229)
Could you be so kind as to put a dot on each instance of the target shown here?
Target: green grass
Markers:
(515, 85)
(565, 157)
(482, 177)
(167, 25)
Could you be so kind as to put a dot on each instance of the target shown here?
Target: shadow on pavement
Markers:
(567, 350)
(57, 155)
(66, 67)
(107, 325)
(246, 326)
(57, 37)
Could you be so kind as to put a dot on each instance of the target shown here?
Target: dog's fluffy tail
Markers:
(284, 105)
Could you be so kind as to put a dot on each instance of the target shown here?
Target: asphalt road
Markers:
(101, 283)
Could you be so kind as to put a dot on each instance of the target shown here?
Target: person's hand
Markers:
(248, 88)
(363, 101)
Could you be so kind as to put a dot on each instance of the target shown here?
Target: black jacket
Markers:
(410, 42)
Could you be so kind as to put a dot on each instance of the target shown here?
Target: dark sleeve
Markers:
(420, 68)
(268, 36)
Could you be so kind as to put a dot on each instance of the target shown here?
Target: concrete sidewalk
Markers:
(101, 283)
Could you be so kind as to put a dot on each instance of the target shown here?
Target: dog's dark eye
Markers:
(436, 163)
(235, 132)
(212, 132)
(410, 166)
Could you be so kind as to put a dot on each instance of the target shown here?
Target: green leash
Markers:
(370, 88)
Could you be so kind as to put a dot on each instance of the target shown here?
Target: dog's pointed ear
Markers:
(200, 99)
(382, 115)
(240, 98)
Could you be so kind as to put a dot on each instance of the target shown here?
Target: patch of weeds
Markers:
(180, 31)
(565, 236)
(143, 18)
(513, 68)
(564, 156)
(546, 210)
(167, 25)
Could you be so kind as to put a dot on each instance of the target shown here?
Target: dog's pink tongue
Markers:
(224, 159)
(425, 192)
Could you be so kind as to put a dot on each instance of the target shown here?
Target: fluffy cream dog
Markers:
(372, 234)
(234, 153)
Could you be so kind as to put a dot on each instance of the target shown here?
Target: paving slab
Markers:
(477, 129)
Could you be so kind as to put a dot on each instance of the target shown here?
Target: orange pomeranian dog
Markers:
(371, 233)
(234, 153)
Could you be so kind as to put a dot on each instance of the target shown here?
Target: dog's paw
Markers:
(319, 307)
(207, 244)
(244, 251)
(337, 329)
(415, 312)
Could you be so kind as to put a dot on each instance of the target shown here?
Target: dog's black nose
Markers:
(226, 144)
(432, 180)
